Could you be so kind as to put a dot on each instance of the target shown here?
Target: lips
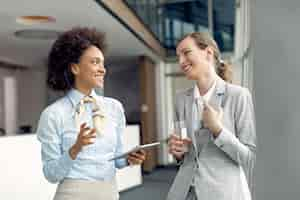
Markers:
(99, 76)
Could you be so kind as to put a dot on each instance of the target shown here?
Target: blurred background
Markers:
(259, 39)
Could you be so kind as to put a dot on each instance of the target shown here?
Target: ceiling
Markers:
(68, 13)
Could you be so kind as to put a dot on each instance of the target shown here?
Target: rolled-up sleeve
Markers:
(56, 165)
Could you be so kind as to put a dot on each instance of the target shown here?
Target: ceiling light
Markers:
(35, 19)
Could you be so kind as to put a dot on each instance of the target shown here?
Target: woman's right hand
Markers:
(178, 147)
(85, 137)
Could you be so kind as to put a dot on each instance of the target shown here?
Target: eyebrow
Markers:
(184, 49)
(98, 58)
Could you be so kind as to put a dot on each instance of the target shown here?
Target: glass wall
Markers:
(223, 23)
(169, 20)
(150, 13)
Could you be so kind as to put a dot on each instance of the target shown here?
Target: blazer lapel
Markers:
(219, 94)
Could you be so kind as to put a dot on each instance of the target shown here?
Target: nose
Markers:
(181, 59)
(102, 69)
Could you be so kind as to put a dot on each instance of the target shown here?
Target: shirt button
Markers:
(221, 145)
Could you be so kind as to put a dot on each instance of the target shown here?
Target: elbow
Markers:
(251, 157)
(252, 153)
(51, 180)
(246, 157)
(50, 177)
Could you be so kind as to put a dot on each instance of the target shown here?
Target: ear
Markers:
(210, 53)
(74, 68)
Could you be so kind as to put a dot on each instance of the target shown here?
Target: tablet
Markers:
(135, 149)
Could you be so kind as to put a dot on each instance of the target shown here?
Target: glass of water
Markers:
(180, 130)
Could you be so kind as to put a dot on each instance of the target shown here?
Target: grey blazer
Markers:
(221, 164)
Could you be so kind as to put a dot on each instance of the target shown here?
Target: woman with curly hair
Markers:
(81, 132)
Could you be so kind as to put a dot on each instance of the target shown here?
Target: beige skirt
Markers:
(71, 189)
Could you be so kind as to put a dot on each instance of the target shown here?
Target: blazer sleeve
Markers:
(241, 146)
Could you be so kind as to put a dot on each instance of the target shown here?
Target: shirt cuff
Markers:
(122, 162)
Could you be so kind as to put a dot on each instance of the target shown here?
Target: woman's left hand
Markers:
(136, 158)
(212, 119)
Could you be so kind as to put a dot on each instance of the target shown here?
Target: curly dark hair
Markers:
(67, 49)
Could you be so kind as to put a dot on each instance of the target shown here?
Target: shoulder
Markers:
(185, 92)
(55, 109)
(181, 94)
(114, 104)
(238, 91)
(240, 97)
(181, 99)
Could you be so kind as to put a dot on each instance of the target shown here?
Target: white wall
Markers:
(277, 97)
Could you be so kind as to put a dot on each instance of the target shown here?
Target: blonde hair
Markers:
(203, 40)
(225, 71)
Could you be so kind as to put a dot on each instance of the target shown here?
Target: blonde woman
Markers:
(219, 117)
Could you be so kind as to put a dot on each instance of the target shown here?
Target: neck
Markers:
(83, 89)
(204, 83)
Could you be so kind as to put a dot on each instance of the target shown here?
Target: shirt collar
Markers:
(75, 96)
(206, 96)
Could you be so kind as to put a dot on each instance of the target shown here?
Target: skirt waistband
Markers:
(83, 190)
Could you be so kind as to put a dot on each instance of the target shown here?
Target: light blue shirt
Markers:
(57, 132)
